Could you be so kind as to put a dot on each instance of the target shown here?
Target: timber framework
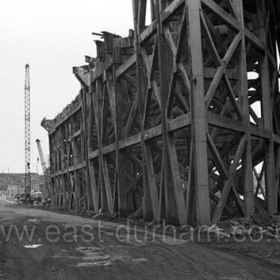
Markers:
(179, 120)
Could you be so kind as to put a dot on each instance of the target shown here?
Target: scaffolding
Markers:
(180, 119)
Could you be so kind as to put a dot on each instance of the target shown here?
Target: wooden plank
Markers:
(210, 39)
(271, 189)
(168, 12)
(222, 14)
(141, 90)
(225, 123)
(95, 193)
(75, 135)
(180, 122)
(131, 118)
(157, 93)
(148, 32)
(173, 90)
(233, 98)
(182, 99)
(198, 113)
(259, 132)
(267, 110)
(165, 59)
(101, 67)
(221, 70)
(244, 105)
(104, 167)
(173, 125)
(228, 184)
(90, 168)
(82, 74)
(130, 80)
(64, 119)
(217, 158)
(77, 194)
(169, 38)
(186, 79)
(86, 146)
(177, 183)
(147, 63)
(171, 93)
(254, 39)
(239, 201)
(175, 50)
(171, 9)
(130, 62)
(209, 73)
(146, 106)
(152, 182)
(142, 6)
(182, 33)
(214, 84)
(112, 101)
(153, 64)
(190, 178)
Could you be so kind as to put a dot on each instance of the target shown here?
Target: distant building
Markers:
(14, 190)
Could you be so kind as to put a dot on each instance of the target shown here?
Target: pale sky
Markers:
(51, 36)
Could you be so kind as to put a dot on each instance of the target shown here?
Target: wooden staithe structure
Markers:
(181, 118)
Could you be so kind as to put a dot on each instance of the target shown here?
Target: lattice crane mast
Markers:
(27, 181)
(41, 156)
(44, 167)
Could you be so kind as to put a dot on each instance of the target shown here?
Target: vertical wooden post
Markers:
(121, 184)
(141, 14)
(77, 191)
(244, 103)
(51, 169)
(267, 113)
(147, 205)
(198, 113)
(87, 133)
(90, 166)
(165, 59)
(64, 192)
(121, 161)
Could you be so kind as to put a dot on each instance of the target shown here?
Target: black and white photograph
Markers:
(140, 140)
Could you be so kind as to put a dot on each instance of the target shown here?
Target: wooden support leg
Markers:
(122, 182)
(244, 103)
(151, 181)
(199, 113)
(137, 11)
(267, 115)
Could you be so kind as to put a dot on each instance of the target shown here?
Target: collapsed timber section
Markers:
(180, 120)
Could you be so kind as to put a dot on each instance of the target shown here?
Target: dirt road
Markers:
(39, 245)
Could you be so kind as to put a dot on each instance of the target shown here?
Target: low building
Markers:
(14, 190)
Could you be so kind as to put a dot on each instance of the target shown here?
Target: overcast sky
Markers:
(52, 36)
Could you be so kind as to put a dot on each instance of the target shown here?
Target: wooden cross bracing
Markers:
(179, 120)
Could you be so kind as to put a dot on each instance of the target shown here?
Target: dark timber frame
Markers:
(179, 120)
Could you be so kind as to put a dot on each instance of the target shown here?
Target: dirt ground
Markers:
(37, 244)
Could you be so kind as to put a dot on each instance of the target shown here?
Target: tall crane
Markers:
(27, 179)
(44, 167)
